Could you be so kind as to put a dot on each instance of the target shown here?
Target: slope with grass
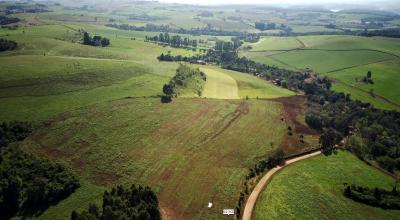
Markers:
(191, 151)
(219, 85)
(385, 76)
(315, 190)
(253, 87)
(50, 72)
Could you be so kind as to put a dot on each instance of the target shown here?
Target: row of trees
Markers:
(7, 44)
(184, 77)
(229, 59)
(374, 197)
(275, 159)
(173, 41)
(166, 28)
(95, 41)
(136, 203)
(389, 32)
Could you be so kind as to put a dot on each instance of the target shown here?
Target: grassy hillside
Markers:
(343, 58)
(253, 87)
(219, 85)
(191, 151)
(312, 189)
(50, 73)
(386, 76)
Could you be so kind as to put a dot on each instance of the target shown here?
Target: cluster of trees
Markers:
(265, 26)
(13, 131)
(368, 78)
(136, 202)
(173, 41)
(183, 77)
(228, 46)
(374, 197)
(4, 20)
(372, 133)
(28, 184)
(7, 44)
(95, 41)
(249, 37)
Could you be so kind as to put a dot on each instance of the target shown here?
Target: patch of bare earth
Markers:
(105, 178)
(294, 108)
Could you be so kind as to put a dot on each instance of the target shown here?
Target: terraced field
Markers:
(315, 190)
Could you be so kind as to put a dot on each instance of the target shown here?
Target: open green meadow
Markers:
(219, 85)
(313, 189)
(342, 58)
(249, 86)
(191, 151)
(98, 110)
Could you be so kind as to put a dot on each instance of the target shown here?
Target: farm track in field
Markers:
(251, 201)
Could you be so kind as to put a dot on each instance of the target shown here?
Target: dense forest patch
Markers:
(136, 202)
(7, 44)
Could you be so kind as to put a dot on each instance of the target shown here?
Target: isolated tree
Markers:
(328, 139)
(87, 40)
(369, 74)
(168, 90)
(161, 37)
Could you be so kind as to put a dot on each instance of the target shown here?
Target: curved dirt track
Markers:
(251, 201)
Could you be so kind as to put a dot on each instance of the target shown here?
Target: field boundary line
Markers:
(251, 201)
(376, 95)
(359, 65)
(328, 50)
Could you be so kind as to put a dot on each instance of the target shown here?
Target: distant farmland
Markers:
(343, 58)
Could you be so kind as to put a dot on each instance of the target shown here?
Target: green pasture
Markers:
(219, 85)
(312, 189)
(190, 151)
(252, 87)
(343, 58)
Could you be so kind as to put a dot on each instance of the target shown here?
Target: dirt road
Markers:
(251, 201)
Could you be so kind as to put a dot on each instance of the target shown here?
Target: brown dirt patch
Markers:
(294, 106)
(105, 178)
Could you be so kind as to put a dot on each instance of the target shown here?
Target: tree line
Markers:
(374, 197)
(169, 29)
(173, 41)
(29, 184)
(7, 45)
(4, 20)
(371, 133)
(184, 78)
(95, 41)
(136, 203)
(389, 32)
